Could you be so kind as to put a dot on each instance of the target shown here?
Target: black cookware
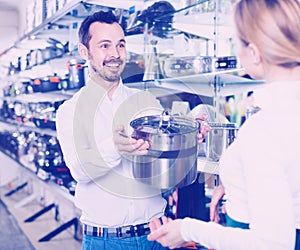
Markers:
(77, 71)
(46, 84)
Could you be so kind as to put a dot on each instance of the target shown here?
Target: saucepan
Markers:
(220, 136)
(171, 160)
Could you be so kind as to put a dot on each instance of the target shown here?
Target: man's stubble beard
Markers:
(101, 74)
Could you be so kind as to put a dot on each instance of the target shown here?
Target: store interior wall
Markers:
(12, 22)
(9, 28)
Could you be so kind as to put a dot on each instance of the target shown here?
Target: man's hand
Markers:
(127, 145)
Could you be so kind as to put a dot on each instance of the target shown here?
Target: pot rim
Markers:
(181, 120)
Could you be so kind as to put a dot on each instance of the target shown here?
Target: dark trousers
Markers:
(192, 200)
(297, 246)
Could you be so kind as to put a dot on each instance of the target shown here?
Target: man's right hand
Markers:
(127, 145)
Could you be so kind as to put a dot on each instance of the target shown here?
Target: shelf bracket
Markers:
(61, 228)
(41, 212)
(16, 189)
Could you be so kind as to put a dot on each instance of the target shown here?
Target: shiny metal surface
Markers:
(166, 173)
(219, 138)
(192, 65)
(172, 158)
(182, 66)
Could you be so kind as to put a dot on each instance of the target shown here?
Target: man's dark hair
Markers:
(100, 16)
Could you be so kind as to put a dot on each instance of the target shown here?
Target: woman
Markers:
(260, 170)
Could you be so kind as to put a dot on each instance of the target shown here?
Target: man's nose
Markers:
(114, 52)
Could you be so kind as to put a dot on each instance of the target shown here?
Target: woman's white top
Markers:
(260, 171)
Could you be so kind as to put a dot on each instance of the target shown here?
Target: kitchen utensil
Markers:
(46, 84)
(172, 158)
(190, 65)
(180, 66)
(219, 138)
(76, 73)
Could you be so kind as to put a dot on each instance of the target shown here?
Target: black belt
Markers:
(120, 232)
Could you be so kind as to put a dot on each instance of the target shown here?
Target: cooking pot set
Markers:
(36, 57)
(44, 114)
(171, 160)
(190, 65)
(13, 143)
(40, 154)
(75, 79)
(45, 84)
(41, 114)
(46, 155)
(158, 17)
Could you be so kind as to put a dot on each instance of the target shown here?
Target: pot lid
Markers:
(165, 124)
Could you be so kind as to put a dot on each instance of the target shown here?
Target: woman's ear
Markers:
(83, 51)
(254, 53)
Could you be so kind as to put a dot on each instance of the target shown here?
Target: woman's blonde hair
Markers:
(273, 26)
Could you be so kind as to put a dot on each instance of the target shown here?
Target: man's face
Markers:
(107, 51)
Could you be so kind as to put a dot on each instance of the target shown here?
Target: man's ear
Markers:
(83, 51)
(254, 53)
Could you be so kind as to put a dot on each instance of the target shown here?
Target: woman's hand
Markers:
(217, 196)
(168, 233)
(127, 145)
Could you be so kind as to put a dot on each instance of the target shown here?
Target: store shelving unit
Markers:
(45, 212)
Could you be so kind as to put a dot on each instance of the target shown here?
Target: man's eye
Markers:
(122, 45)
(104, 46)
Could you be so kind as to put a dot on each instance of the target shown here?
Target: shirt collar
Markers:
(99, 89)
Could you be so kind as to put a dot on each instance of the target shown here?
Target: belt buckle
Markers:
(137, 230)
(141, 230)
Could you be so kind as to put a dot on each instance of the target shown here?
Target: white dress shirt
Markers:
(261, 174)
(106, 191)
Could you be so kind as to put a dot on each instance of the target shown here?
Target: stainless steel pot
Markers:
(181, 66)
(190, 65)
(219, 138)
(172, 158)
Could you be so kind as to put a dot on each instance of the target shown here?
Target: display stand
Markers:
(73, 222)
(30, 191)
(21, 186)
(42, 211)
(26, 200)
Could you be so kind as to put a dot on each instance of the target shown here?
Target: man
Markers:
(115, 207)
